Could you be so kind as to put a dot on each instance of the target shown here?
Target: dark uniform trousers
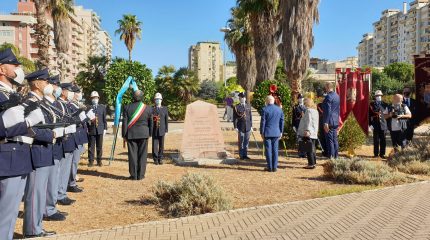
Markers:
(95, 143)
(157, 148)
(137, 154)
(379, 143)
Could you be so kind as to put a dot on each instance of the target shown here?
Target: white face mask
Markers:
(20, 75)
(158, 102)
(58, 92)
(95, 101)
(48, 90)
(301, 101)
(378, 98)
(242, 100)
(79, 97)
(70, 96)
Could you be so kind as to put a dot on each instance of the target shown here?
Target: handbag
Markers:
(306, 145)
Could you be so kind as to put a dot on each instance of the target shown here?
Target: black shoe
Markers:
(267, 169)
(310, 167)
(155, 162)
(90, 164)
(42, 234)
(160, 162)
(247, 158)
(274, 170)
(55, 217)
(66, 201)
(74, 189)
(383, 157)
(99, 164)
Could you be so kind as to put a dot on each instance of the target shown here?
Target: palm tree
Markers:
(42, 30)
(130, 28)
(297, 37)
(60, 10)
(240, 42)
(264, 19)
(93, 74)
(185, 84)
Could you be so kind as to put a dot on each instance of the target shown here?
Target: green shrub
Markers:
(351, 136)
(193, 194)
(208, 90)
(284, 91)
(177, 111)
(358, 171)
(414, 159)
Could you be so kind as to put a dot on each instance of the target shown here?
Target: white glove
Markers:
(70, 129)
(371, 128)
(82, 116)
(294, 129)
(237, 130)
(13, 116)
(59, 132)
(252, 129)
(104, 132)
(35, 117)
(91, 115)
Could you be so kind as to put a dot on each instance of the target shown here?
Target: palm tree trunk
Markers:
(246, 67)
(129, 55)
(42, 33)
(62, 29)
(264, 29)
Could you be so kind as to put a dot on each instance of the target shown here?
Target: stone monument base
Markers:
(181, 161)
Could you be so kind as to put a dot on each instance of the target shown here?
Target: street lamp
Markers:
(224, 30)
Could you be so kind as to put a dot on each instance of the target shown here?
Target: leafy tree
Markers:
(208, 90)
(232, 86)
(185, 83)
(119, 71)
(129, 29)
(403, 72)
(351, 136)
(27, 65)
(284, 92)
(387, 85)
(308, 80)
(92, 77)
(280, 74)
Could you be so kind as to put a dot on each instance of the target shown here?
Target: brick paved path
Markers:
(401, 212)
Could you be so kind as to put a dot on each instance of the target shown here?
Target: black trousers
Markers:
(399, 139)
(137, 153)
(157, 148)
(312, 158)
(95, 142)
(379, 143)
(409, 133)
(321, 137)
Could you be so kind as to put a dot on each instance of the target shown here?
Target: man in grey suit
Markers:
(96, 130)
(160, 117)
(136, 129)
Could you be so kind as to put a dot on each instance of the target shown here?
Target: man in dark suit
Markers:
(96, 130)
(378, 125)
(271, 128)
(412, 105)
(298, 112)
(160, 117)
(331, 111)
(136, 129)
(242, 122)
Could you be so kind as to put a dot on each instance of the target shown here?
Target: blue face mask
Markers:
(58, 92)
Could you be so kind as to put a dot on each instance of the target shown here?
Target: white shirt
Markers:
(395, 123)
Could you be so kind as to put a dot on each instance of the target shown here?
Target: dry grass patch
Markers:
(344, 190)
(358, 171)
(193, 194)
(415, 159)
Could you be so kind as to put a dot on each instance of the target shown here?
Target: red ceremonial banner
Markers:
(353, 90)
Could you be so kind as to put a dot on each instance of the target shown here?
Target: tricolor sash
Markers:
(136, 115)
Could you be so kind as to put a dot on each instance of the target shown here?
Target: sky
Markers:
(170, 27)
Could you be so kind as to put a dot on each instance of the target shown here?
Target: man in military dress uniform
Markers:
(242, 122)
(51, 213)
(96, 130)
(378, 125)
(41, 155)
(160, 117)
(136, 129)
(15, 158)
(69, 145)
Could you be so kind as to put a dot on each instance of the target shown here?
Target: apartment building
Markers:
(206, 60)
(87, 38)
(397, 36)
